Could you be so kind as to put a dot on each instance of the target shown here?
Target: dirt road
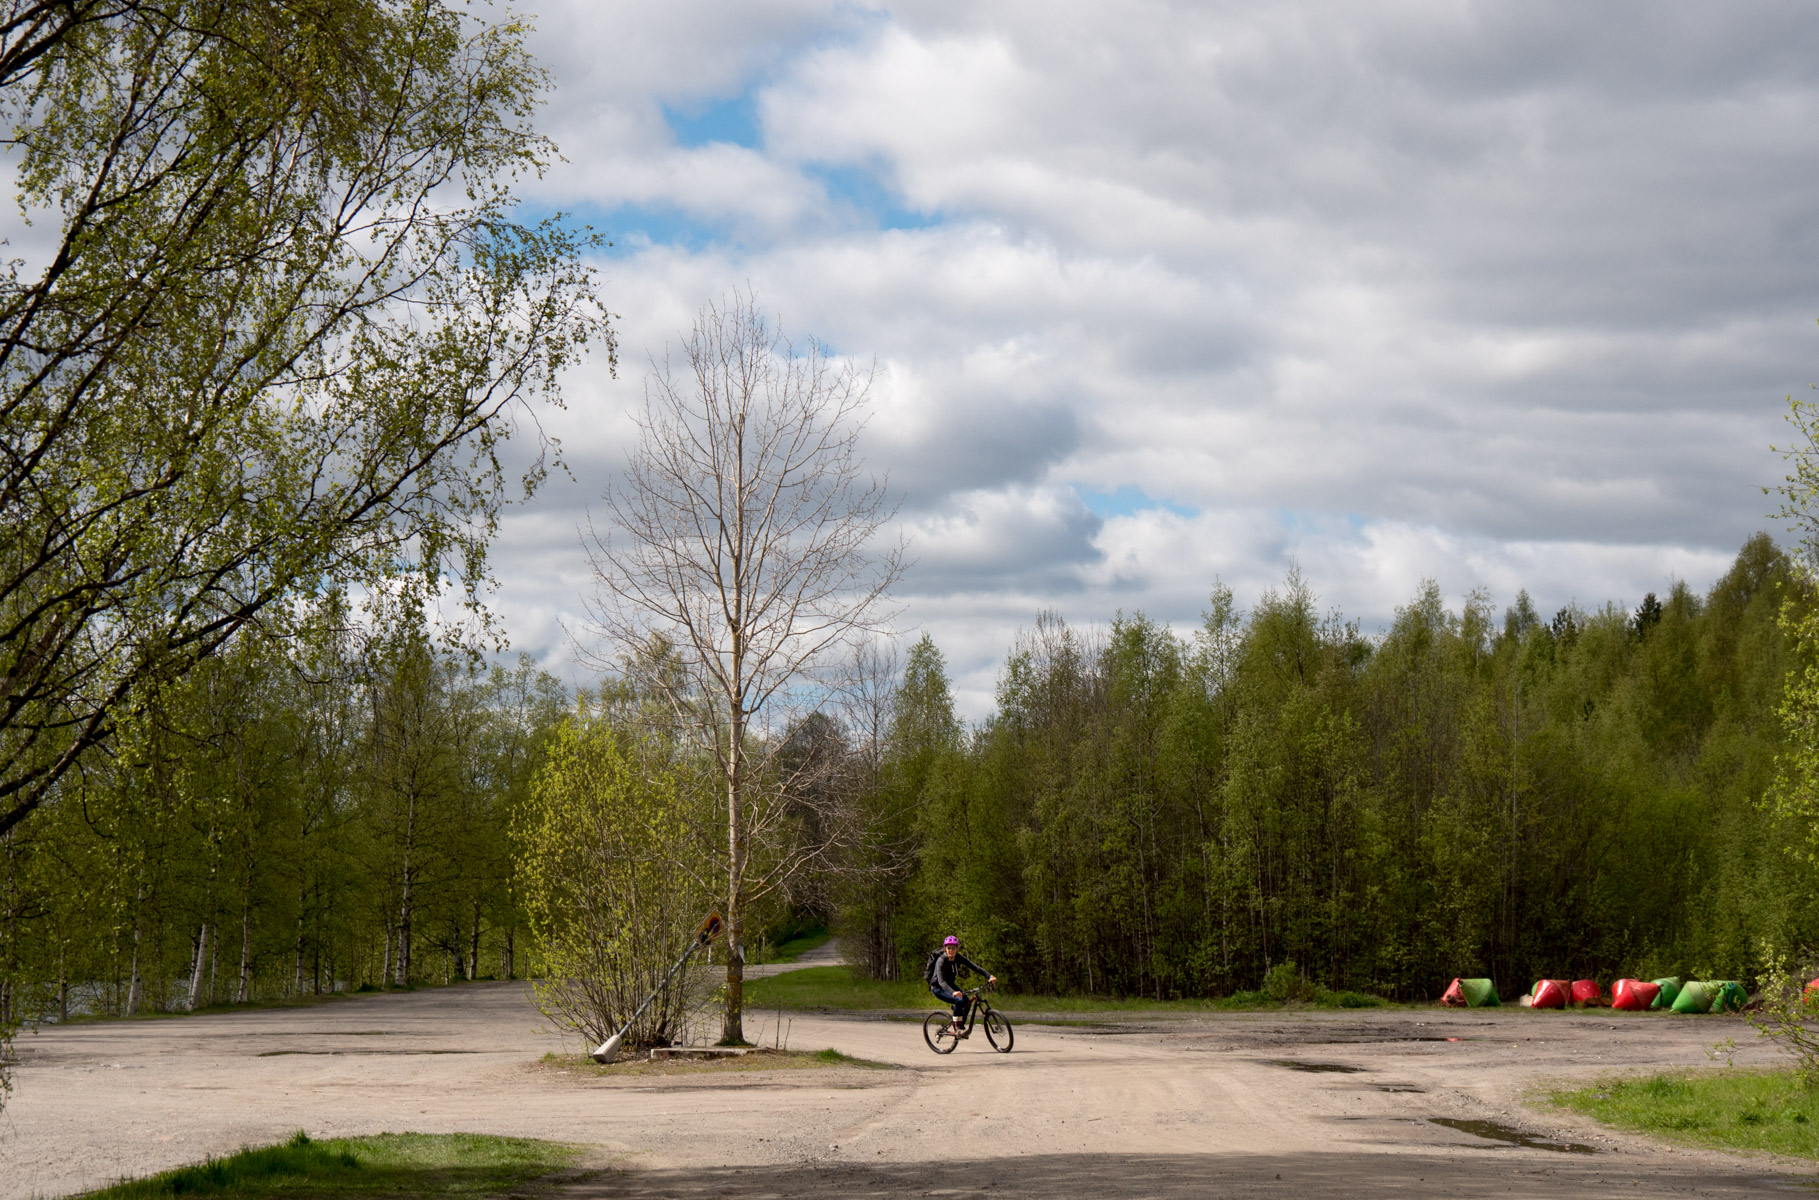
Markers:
(1226, 1105)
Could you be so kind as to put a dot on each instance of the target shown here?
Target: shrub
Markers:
(602, 851)
(1346, 999)
(1788, 1014)
(1284, 982)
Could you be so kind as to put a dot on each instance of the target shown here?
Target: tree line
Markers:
(1511, 796)
(315, 812)
(1146, 812)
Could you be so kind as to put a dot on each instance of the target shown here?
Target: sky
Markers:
(1504, 295)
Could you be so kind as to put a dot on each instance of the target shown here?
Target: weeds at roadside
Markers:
(1733, 1109)
(760, 1058)
(403, 1165)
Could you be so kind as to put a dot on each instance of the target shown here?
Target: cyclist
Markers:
(944, 969)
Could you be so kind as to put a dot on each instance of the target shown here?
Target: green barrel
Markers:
(1696, 997)
(1479, 993)
(1728, 995)
(1670, 992)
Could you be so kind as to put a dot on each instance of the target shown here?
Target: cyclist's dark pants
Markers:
(958, 999)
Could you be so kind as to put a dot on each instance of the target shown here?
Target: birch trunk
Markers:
(732, 1027)
(245, 991)
(473, 954)
(195, 974)
(133, 986)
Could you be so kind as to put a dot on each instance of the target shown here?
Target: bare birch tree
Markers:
(746, 537)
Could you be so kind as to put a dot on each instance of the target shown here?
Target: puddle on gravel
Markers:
(1294, 1065)
(1514, 1137)
(362, 1053)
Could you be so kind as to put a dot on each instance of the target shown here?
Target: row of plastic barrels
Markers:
(1633, 995)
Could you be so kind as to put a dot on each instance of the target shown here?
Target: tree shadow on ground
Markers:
(1502, 1173)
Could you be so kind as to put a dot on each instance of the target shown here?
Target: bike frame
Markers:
(976, 1006)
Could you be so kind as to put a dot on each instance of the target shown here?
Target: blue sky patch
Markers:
(632, 227)
(1128, 500)
(862, 190)
(733, 121)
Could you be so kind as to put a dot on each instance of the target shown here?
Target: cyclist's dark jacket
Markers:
(947, 971)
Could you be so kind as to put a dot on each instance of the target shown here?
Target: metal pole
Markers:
(608, 1050)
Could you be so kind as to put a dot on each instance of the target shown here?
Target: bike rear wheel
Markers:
(938, 1032)
(998, 1032)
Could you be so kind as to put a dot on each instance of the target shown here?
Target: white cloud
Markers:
(1504, 294)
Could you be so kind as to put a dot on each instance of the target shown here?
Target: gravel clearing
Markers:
(1209, 1105)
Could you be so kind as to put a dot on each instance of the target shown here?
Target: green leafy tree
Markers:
(1152, 814)
(602, 846)
(911, 752)
(1796, 790)
(276, 340)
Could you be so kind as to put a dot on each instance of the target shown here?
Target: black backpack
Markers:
(928, 971)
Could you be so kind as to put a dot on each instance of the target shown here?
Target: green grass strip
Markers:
(401, 1165)
(1733, 1109)
(840, 987)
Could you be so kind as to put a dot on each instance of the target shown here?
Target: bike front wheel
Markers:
(938, 1032)
(998, 1032)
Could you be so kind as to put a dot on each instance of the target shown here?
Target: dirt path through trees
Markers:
(827, 954)
(1230, 1104)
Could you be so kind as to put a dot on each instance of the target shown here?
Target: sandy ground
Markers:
(1221, 1105)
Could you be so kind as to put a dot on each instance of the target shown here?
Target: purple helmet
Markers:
(952, 941)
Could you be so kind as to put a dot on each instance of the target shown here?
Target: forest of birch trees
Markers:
(314, 813)
(1475, 790)
(1507, 794)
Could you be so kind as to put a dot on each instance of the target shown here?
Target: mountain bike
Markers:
(938, 1028)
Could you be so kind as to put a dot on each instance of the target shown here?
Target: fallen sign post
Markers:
(705, 932)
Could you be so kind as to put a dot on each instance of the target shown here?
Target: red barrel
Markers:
(1633, 995)
(1551, 993)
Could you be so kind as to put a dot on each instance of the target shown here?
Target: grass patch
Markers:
(1326, 999)
(402, 1165)
(839, 987)
(832, 987)
(1732, 1109)
(834, 1058)
(762, 1058)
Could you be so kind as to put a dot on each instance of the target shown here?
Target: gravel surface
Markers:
(1214, 1105)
